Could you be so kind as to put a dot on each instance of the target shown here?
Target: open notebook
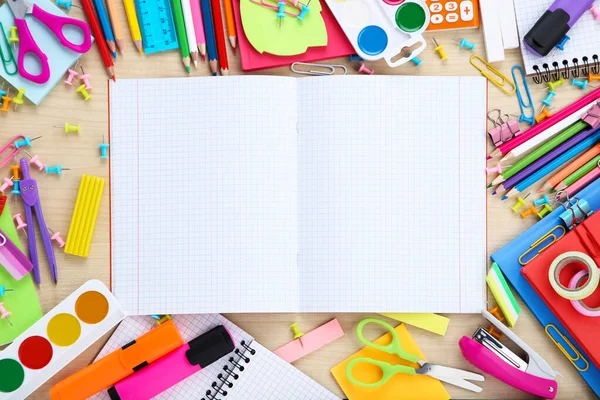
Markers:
(265, 376)
(584, 43)
(273, 194)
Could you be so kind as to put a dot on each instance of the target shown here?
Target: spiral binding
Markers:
(556, 71)
(220, 386)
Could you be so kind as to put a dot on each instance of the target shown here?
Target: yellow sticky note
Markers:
(430, 322)
(400, 386)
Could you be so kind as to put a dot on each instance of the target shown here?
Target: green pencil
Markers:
(181, 33)
(565, 135)
(575, 176)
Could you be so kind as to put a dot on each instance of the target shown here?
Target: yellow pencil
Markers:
(116, 23)
(134, 25)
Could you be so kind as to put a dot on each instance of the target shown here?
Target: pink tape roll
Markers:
(578, 304)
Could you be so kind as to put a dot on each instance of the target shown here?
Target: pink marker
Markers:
(7, 184)
(19, 221)
(4, 313)
(72, 75)
(364, 70)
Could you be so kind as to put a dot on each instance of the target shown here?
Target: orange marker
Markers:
(119, 364)
(229, 20)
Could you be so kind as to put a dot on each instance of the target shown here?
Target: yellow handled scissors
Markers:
(453, 376)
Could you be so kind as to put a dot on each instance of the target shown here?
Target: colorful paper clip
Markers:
(8, 59)
(501, 83)
(523, 106)
(10, 151)
(326, 69)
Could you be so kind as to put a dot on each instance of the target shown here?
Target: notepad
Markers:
(274, 194)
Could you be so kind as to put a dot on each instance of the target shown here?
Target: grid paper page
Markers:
(585, 37)
(266, 377)
(392, 210)
(203, 194)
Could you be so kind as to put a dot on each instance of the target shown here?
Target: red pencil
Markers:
(99, 36)
(220, 36)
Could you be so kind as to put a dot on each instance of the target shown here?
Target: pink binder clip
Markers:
(503, 130)
(10, 150)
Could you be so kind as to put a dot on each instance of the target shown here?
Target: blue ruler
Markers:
(157, 25)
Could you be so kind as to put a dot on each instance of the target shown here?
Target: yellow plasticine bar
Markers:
(85, 215)
(428, 321)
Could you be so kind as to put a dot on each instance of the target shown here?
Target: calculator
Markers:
(453, 14)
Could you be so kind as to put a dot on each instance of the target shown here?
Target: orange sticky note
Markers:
(400, 386)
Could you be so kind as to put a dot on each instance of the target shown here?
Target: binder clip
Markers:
(503, 131)
(592, 116)
(531, 374)
(576, 210)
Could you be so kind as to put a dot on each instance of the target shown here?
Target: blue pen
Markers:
(209, 31)
(106, 27)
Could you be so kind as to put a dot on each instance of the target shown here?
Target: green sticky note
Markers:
(294, 36)
(23, 302)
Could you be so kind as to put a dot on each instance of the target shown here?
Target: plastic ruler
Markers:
(157, 25)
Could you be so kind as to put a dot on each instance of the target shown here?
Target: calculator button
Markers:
(451, 6)
(435, 7)
(466, 10)
(452, 17)
(437, 19)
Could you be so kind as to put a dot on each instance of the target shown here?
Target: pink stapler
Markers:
(532, 375)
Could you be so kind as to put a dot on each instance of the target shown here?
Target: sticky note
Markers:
(311, 341)
(400, 386)
(428, 321)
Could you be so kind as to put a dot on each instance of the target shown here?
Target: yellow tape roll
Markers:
(565, 259)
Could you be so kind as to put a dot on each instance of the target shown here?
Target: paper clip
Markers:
(11, 149)
(329, 69)
(562, 349)
(542, 241)
(501, 83)
(522, 105)
(10, 60)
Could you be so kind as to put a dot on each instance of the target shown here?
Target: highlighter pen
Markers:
(175, 366)
(119, 364)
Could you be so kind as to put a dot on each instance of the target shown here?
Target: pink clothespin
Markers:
(4, 313)
(496, 169)
(19, 221)
(8, 183)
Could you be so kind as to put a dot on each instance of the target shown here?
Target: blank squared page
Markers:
(392, 200)
(203, 194)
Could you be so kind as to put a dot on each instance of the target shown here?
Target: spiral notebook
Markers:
(581, 52)
(264, 375)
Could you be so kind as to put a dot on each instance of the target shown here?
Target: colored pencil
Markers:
(198, 27)
(220, 36)
(574, 166)
(579, 185)
(575, 176)
(116, 23)
(134, 25)
(181, 34)
(88, 8)
(230, 22)
(106, 27)
(190, 32)
(211, 48)
(546, 147)
(554, 164)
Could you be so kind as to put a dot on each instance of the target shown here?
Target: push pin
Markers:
(16, 171)
(104, 149)
(84, 93)
(25, 142)
(297, 333)
(591, 77)
(6, 101)
(16, 190)
(416, 61)
(66, 4)
(303, 12)
(595, 12)
(492, 331)
(57, 238)
(530, 211)
(582, 84)
(547, 209)
(58, 169)
(72, 75)
(35, 160)
(497, 313)
(544, 113)
(8, 183)
(440, 50)
(542, 201)
(69, 128)
(548, 100)
(18, 100)
(496, 169)
(281, 11)
(365, 70)
(19, 222)
(13, 38)
(529, 120)
(561, 45)
(553, 85)
(464, 43)
(356, 57)
(86, 79)
(520, 203)
(2, 92)
(4, 314)
(3, 290)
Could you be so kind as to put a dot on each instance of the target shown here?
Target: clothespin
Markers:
(365, 70)
(6, 101)
(542, 201)
(17, 101)
(58, 169)
(496, 169)
(104, 149)
(57, 238)
(20, 224)
(464, 43)
(561, 45)
(8, 183)
(520, 203)
(416, 61)
(297, 333)
(530, 211)
(4, 313)
(595, 12)
(34, 160)
(547, 209)
(548, 100)
(84, 93)
(3, 290)
(544, 113)
(86, 79)
(25, 142)
(69, 128)
(13, 38)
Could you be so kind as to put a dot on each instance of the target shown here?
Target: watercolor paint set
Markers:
(57, 338)
(388, 29)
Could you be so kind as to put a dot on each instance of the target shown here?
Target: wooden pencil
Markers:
(230, 22)
(190, 30)
(211, 47)
(181, 34)
(578, 174)
(569, 169)
(116, 23)
(134, 25)
(220, 36)
(108, 35)
(88, 9)
(198, 27)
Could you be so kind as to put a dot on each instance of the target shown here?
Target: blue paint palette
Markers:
(383, 28)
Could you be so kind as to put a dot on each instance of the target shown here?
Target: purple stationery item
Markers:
(554, 24)
(546, 158)
(11, 258)
(31, 202)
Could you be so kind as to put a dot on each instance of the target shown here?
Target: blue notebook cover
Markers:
(507, 259)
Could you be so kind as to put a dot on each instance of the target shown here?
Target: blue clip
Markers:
(578, 208)
(561, 44)
(542, 201)
(416, 60)
(548, 100)
(303, 13)
(356, 57)
(582, 84)
(16, 190)
(522, 105)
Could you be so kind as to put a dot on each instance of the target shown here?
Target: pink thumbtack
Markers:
(36, 161)
(496, 169)
(19, 220)
(7, 184)
(4, 313)
(364, 70)
(86, 79)
(595, 12)
(72, 75)
(58, 239)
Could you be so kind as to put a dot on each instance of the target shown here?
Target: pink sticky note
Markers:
(311, 341)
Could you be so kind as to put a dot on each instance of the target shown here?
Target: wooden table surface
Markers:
(81, 154)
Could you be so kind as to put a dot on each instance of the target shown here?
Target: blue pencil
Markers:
(209, 32)
(106, 27)
(554, 164)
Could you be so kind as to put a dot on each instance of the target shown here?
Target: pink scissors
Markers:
(55, 23)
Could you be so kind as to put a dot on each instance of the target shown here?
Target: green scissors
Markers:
(456, 377)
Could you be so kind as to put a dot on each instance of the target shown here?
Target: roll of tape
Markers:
(578, 304)
(565, 259)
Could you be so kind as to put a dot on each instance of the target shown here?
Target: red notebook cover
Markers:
(337, 45)
(584, 329)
